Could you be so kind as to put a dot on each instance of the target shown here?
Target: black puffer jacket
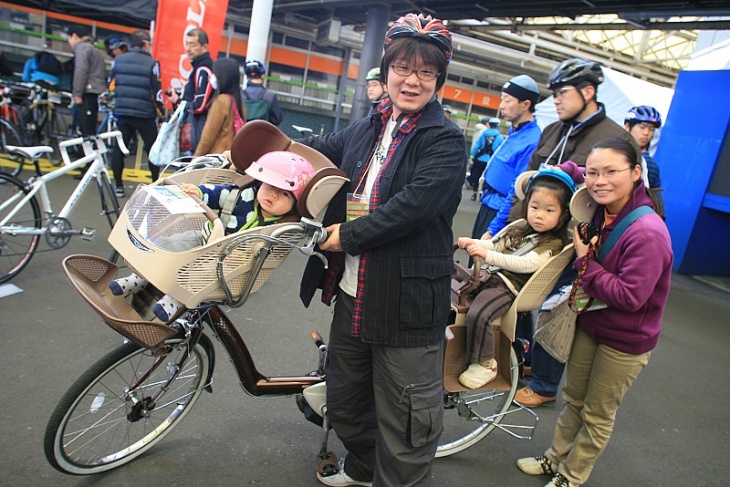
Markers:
(136, 78)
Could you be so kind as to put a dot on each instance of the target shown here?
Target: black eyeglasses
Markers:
(422, 74)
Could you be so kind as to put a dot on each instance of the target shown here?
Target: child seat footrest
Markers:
(90, 276)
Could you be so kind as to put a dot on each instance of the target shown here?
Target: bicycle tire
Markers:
(57, 132)
(17, 250)
(96, 411)
(108, 197)
(462, 429)
(10, 135)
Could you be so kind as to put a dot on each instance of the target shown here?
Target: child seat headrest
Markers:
(259, 137)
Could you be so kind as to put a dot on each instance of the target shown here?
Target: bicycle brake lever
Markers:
(319, 235)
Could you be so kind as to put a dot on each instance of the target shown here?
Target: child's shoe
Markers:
(478, 375)
(166, 308)
(131, 284)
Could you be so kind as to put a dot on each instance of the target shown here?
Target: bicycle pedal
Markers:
(88, 233)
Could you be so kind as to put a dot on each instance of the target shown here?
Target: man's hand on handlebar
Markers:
(332, 243)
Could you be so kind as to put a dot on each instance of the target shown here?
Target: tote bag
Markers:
(556, 330)
(167, 143)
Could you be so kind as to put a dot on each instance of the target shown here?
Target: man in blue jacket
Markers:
(135, 80)
(517, 106)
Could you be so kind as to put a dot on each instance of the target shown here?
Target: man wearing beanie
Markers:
(517, 106)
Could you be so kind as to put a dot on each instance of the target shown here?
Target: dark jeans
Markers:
(546, 371)
(88, 115)
(128, 126)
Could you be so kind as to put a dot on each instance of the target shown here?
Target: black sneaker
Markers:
(119, 192)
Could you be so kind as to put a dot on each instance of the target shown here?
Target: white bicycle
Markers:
(24, 219)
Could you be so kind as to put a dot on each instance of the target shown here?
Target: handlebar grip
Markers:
(120, 142)
(64, 145)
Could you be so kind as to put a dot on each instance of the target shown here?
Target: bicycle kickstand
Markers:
(326, 461)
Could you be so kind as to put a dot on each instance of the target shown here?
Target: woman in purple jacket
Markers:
(613, 342)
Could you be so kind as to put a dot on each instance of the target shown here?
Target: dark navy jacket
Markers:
(136, 78)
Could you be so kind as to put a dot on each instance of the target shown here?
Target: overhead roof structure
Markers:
(651, 39)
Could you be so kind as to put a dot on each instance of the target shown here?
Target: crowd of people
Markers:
(389, 270)
(213, 94)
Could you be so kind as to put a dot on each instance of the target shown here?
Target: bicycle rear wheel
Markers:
(57, 131)
(105, 420)
(472, 415)
(16, 249)
(9, 135)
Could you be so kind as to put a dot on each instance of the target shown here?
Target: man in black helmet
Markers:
(261, 104)
(582, 122)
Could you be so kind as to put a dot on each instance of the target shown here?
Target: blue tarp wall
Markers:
(694, 157)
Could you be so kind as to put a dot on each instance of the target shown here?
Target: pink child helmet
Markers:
(282, 169)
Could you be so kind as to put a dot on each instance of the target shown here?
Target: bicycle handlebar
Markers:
(312, 231)
(87, 141)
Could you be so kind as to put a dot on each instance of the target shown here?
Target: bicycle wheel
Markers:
(16, 249)
(57, 131)
(103, 421)
(109, 202)
(9, 135)
(472, 415)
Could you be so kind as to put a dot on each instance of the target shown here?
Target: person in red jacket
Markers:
(613, 340)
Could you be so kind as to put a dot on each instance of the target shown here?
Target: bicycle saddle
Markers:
(30, 152)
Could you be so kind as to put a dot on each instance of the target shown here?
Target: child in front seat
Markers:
(280, 179)
(512, 256)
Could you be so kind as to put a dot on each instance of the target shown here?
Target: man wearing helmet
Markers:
(376, 89)
(256, 93)
(582, 122)
(641, 122)
(115, 46)
(390, 269)
(481, 153)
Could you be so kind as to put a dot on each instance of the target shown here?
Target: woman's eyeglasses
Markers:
(608, 173)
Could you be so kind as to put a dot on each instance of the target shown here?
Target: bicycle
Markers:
(11, 131)
(23, 220)
(43, 124)
(106, 106)
(130, 399)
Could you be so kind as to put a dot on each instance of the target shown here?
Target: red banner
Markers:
(175, 18)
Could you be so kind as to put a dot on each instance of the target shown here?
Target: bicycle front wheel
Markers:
(12, 163)
(472, 415)
(16, 249)
(106, 419)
